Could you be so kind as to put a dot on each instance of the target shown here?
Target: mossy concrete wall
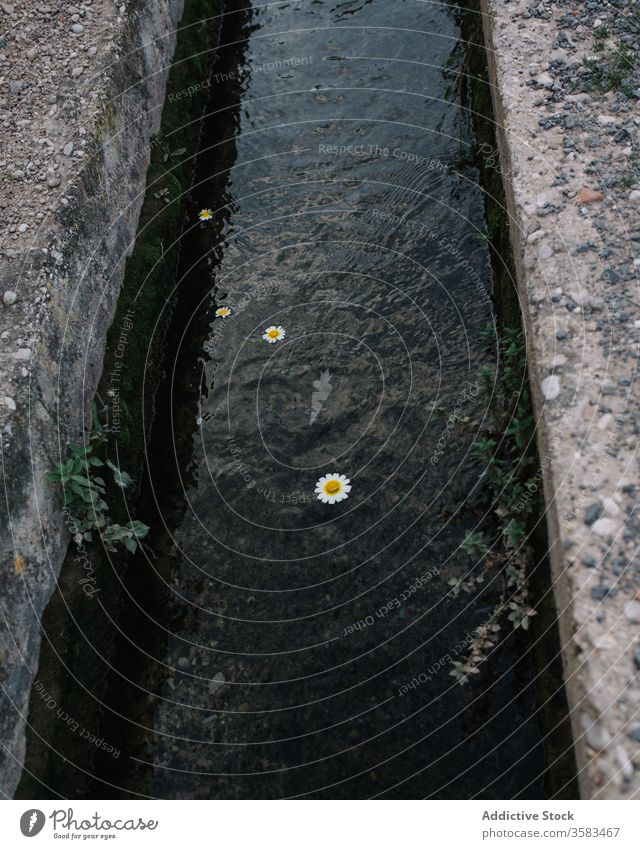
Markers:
(67, 292)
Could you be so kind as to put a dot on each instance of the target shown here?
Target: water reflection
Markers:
(312, 643)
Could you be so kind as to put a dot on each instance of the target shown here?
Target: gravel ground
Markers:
(54, 60)
(567, 91)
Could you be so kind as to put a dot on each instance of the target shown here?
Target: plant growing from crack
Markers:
(486, 233)
(508, 471)
(83, 493)
(609, 72)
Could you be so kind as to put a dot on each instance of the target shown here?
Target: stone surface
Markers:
(592, 513)
(589, 196)
(217, 683)
(550, 387)
(596, 735)
(632, 612)
(605, 527)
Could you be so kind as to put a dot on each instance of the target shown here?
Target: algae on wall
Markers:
(150, 270)
(76, 653)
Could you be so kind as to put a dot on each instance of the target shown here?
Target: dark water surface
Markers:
(301, 635)
(292, 652)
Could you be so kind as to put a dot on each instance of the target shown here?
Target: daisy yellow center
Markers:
(332, 487)
(273, 334)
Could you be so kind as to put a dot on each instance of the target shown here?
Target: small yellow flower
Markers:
(19, 564)
(223, 312)
(205, 214)
(274, 334)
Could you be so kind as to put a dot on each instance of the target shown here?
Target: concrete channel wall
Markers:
(564, 146)
(75, 127)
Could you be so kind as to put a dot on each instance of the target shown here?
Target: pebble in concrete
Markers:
(605, 527)
(592, 513)
(632, 612)
(550, 387)
(597, 736)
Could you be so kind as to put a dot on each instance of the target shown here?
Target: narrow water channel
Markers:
(274, 645)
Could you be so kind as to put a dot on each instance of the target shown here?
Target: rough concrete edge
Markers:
(83, 281)
(597, 777)
(562, 591)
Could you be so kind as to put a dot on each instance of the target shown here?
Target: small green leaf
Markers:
(122, 479)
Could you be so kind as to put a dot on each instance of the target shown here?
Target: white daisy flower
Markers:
(274, 334)
(332, 488)
(205, 214)
(223, 312)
